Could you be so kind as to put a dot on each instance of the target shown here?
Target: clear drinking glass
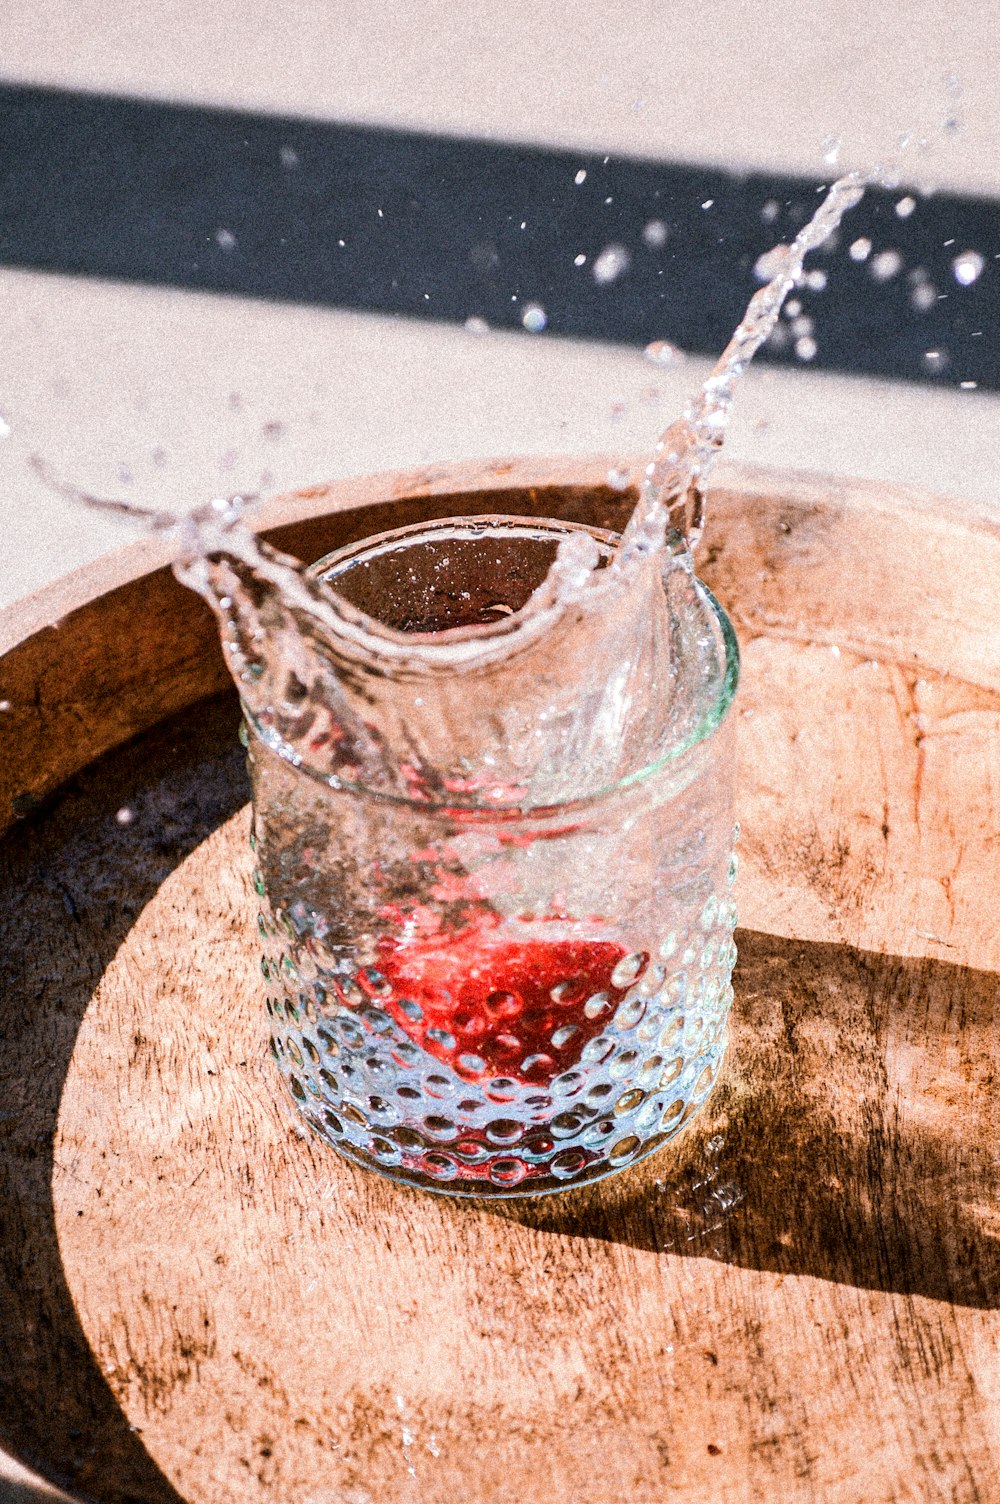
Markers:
(496, 989)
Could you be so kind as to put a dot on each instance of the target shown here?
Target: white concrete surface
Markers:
(744, 83)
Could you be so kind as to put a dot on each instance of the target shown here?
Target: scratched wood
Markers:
(797, 1301)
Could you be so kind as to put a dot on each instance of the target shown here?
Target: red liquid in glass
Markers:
(522, 1010)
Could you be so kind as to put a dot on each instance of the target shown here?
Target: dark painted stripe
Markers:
(135, 190)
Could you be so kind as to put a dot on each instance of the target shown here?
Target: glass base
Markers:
(521, 1183)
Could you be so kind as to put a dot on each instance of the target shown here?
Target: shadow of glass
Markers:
(849, 1139)
(131, 818)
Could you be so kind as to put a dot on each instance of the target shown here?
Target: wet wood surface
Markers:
(798, 1300)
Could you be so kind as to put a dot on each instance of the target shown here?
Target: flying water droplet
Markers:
(476, 325)
(886, 265)
(770, 211)
(581, 176)
(968, 386)
(225, 240)
(831, 150)
(906, 206)
(289, 158)
(860, 249)
(655, 234)
(579, 260)
(618, 480)
(806, 347)
(815, 280)
(534, 318)
(708, 203)
(612, 263)
(966, 267)
(935, 360)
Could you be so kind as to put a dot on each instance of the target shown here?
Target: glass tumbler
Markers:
(510, 988)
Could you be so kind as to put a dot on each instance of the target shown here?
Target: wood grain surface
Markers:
(797, 1301)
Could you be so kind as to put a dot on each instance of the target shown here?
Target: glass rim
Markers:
(703, 728)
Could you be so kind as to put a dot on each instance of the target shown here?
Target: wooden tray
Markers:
(795, 1302)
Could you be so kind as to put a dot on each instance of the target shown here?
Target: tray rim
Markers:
(83, 585)
(73, 697)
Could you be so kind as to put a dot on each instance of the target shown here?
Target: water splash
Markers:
(601, 665)
(673, 487)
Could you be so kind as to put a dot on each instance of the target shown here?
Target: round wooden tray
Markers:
(797, 1301)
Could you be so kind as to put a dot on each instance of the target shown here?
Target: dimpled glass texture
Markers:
(501, 1003)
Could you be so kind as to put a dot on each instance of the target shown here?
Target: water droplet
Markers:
(806, 347)
(708, 203)
(802, 325)
(618, 480)
(476, 325)
(662, 353)
(967, 386)
(860, 249)
(935, 360)
(906, 206)
(770, 211)
(815, 280)
(534, 318)
(4, 428)
(225, 240)
(613, 262)
(289, 158)
(655, 234)
(581, 176)
(886, 265)
(4, 705)
(967, 267)
(125, 816)
(579, 260)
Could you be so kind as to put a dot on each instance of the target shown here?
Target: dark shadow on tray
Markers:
(849, 1138)
(62, 874)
